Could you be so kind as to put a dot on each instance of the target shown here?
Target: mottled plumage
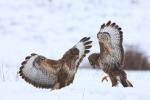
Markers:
(93, 60)
(55, 74)
(111, 56)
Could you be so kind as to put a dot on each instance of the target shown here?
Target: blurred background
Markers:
(50, 27)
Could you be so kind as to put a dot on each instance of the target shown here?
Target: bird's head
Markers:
(40, 60)
(103, 37)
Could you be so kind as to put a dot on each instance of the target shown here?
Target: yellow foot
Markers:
(105, 78)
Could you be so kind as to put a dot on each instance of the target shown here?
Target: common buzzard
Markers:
(111, 56)
(54, 74)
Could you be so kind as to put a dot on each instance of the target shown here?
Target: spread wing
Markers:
(76, 54)
(114, 31)
(83, 46)
(45, 73)
(34, 73)
(71, 60)
(116, 38)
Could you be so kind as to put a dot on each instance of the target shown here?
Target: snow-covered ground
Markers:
(50, 27)
(87, 86)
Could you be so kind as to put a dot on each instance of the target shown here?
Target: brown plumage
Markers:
(93, 60)
(55, 74)
(111, 56)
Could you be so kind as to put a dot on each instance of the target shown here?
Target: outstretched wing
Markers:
(83, 46)
(71, 60)
(114, 31)
(75, 55)
(37, 75)
(116, 37)
(45, 73)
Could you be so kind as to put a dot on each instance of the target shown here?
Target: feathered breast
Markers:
(111, 38)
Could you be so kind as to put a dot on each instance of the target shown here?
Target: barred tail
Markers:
(124, 81)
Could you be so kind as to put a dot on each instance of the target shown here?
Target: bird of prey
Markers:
(42, 72)
(111, 56)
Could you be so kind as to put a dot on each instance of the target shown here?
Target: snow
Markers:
(51, 27)
(86, 86)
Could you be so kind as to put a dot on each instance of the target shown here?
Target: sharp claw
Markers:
(105, 78)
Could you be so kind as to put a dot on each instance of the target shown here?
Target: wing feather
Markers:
(47, 77)
(116, 35)
(83, 46)
(34, 75)
(114, 31)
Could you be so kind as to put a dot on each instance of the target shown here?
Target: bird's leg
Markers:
(105, 78)
(114, 81)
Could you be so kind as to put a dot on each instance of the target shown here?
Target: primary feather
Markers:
(55, 74)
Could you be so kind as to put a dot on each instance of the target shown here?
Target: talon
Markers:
(105, 78)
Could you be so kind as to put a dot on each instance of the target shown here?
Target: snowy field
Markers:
(87, 86)
(50, 27)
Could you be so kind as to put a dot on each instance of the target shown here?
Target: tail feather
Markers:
(123, 79)
(121, 76)
(126, 83)
(129, 83)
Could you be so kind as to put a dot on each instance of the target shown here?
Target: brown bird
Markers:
(55, 74)
(111, 56)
